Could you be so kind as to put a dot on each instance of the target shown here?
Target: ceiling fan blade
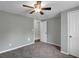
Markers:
(27, 6)
(41, 13)
(32, 12)
(48, 8)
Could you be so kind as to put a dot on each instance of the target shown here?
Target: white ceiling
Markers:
(57, 7)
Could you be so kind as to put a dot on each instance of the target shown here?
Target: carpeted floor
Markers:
(37, 50)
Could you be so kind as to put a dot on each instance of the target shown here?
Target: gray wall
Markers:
(15, 30)
(54, 30)
(64, 29)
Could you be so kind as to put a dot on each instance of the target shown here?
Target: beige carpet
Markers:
(37, 50)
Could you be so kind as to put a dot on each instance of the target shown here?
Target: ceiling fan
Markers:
(37, 8)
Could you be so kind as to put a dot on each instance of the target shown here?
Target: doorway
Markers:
(40, 30)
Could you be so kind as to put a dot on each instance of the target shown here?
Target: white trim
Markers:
(16, 47)
(68, 39)
(54, 44)
(64, 52)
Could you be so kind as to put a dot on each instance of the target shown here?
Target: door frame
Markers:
(68, 39)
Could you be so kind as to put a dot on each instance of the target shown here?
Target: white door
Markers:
(43, 31)
(74, 33)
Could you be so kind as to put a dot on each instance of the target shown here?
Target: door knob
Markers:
(70, 36)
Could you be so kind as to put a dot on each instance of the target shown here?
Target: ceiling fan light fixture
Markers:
(37, 10)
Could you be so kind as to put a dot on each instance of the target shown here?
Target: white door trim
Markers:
(68, 39)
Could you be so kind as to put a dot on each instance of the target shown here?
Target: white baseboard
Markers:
(16, 47)
(54, 44)
(64, 52)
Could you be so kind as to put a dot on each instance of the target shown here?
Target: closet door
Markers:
(74, 33)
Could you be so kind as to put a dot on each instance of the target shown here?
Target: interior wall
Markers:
(15, 30)
(54, 30)
(64, 31)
